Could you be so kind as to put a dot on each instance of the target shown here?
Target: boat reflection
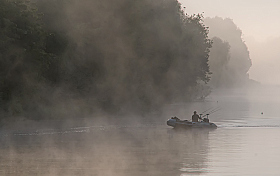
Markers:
(193, 147)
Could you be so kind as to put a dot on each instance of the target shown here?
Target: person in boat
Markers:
(195, 117)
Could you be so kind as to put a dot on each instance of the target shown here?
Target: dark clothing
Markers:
(195, 118)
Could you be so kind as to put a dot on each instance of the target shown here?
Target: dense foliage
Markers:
(218, 62)
(82, 56)
(25, 66)
(233, 51)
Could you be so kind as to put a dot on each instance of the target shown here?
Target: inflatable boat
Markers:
(177, 123)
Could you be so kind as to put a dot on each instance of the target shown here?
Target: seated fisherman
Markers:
(195, 117)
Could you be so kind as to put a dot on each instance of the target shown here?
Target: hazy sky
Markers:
(259, 21)
(256, 18)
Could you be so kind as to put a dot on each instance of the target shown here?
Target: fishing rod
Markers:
(206, 110)
(212, 112)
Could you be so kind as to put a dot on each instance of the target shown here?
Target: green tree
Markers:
(113, 56)
(240, 62)
(24, 62)
(218, 62)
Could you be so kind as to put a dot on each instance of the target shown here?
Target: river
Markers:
(246, 142)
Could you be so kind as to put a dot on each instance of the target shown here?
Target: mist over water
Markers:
(92, 95)
(246, 142)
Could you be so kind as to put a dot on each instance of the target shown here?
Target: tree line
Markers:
(78, 57)
(229, 57)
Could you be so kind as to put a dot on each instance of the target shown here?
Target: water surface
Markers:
(246, 142)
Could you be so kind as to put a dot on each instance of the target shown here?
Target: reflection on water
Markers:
(195, 150)
(98, 151)
(157, 150)
(245, 151)
(246, 142)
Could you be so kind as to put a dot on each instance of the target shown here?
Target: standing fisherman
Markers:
(195, 117)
